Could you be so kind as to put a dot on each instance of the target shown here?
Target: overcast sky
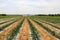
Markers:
(29, 6)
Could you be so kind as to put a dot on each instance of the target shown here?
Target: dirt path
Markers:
(6, 32)
(24, 32)
(44, 35)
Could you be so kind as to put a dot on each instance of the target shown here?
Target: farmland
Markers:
(29, 27)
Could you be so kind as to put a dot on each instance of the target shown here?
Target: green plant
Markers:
(15, 31)
(48, 30)
(35, 35)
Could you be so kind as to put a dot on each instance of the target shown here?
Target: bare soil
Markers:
(24, 32)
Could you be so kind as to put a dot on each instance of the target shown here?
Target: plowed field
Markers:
(28, 28)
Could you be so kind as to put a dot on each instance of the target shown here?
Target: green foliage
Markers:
(34, 32)
(3, 15)
(53, 19)
(15, 31)
(48, 30)
(10, 16)
(2, 28)
(54, 26)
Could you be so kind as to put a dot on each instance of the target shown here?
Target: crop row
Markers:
(52, 19)
(24, 33)
(14, 32)
(50, 27)
(44, 35)
(49, 19)
(37, 29)
(5, 34)
(52, 24)
(48, 30)
(34, 32)
(7, 24)
(6, 20)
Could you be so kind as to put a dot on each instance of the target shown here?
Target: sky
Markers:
(29, 6)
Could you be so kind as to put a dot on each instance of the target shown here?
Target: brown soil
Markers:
(24, 32)
(6, 32)
(44, 34)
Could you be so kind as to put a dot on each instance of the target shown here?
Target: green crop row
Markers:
(52, 25)
(52, 19)
(48, 30)
(7, 21)
(3, 27)
(11, 16)
(14, 32)
(34, 32)
(4, 20)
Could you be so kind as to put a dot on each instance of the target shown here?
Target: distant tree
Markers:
(53, 14)
(2, 14)
(41, 15)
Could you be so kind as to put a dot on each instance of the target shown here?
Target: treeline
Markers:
(48, 15)
(3, 15)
